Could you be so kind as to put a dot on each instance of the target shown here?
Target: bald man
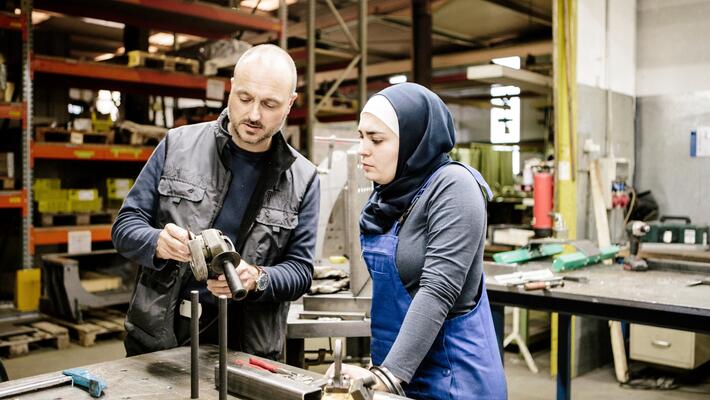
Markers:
(236, 174)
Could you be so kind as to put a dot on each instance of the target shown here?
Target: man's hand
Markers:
(247, 274)
(172, 244)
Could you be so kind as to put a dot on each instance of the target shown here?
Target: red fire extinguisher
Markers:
(542, 208)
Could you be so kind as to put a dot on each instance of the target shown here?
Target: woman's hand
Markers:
(354, 372)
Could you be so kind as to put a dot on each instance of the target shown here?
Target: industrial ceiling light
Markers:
(264, 5)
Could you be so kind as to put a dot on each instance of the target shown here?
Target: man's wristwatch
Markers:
(262, 280)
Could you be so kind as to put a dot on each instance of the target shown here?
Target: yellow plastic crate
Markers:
(79, 206)
(117, 188)
(53, 206)
(47, 183)
(51, 194)
(83, 194)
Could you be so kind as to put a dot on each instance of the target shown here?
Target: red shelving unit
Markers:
(102, 152)
(192, 17)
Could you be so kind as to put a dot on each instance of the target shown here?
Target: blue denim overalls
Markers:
(463, 362)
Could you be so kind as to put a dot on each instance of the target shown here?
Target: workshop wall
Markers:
(674, 99)
(606, 87)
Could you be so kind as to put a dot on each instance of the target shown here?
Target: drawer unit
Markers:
(680, 349)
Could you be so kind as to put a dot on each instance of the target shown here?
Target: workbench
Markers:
(160, 375)
(654, 297)
(300, 329)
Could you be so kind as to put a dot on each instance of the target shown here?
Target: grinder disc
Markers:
(198, 263)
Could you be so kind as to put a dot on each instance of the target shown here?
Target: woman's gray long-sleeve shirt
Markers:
(440, 263)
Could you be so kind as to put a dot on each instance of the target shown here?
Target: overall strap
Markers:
(400, 221)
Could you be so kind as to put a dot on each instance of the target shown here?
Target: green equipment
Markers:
(528, 253)
(677, 233)
(579, 259)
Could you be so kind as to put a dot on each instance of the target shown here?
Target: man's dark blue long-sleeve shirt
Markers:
(135, 232)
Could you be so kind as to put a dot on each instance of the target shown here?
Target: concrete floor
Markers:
(522, 384)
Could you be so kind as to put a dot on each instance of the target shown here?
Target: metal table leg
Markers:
(498, 313)
(295, 352)
(564, 367)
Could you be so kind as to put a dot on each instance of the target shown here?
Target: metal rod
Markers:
(564, 340)
(194, 344)
(283, 18)
(310, 78)
(28, 111)
(362, 70)
(222, 347)
(31, 386)
(333, 139)
(343, 25)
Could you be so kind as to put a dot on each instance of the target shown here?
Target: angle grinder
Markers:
(212, 248)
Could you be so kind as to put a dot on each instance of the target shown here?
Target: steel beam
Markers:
(421, 42)
(465, 58)
(528, 12)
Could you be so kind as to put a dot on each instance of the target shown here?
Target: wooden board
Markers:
(600, 217)
(7, 183)
(94, 282)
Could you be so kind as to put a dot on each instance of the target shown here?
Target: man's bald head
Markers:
(263, 91)
(268, 56)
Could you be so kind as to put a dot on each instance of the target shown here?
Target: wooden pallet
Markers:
(65, 136)
(75, 219)
(32, 336)
(7, 183)
(137, 58)
(97, 323)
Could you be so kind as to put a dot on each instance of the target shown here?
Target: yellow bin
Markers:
(27, 289)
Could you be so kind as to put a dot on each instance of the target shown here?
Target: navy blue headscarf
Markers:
(426, 136)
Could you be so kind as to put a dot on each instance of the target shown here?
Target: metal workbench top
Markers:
(657, 297)
(160, 375)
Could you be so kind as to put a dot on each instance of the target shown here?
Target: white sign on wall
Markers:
(702, 142)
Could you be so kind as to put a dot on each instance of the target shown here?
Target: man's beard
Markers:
(253, 139)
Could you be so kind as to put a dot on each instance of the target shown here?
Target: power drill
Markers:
(635, 229)
(212, 247)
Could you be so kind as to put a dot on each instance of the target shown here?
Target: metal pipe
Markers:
(310, 78)
(283, 18)
(333, 139)
(194, 344)
(27, 127)
(362, 70)
(222, 347)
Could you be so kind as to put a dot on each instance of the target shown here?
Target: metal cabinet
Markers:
(680, 349)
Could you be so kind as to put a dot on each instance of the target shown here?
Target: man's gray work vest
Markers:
(192, 189)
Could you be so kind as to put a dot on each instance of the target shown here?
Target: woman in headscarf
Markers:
(422, 235)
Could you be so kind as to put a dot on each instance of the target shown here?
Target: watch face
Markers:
(261, 281)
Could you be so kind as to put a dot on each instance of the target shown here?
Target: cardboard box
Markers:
(7, 165)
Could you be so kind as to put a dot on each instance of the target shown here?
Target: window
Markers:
(505, 113)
